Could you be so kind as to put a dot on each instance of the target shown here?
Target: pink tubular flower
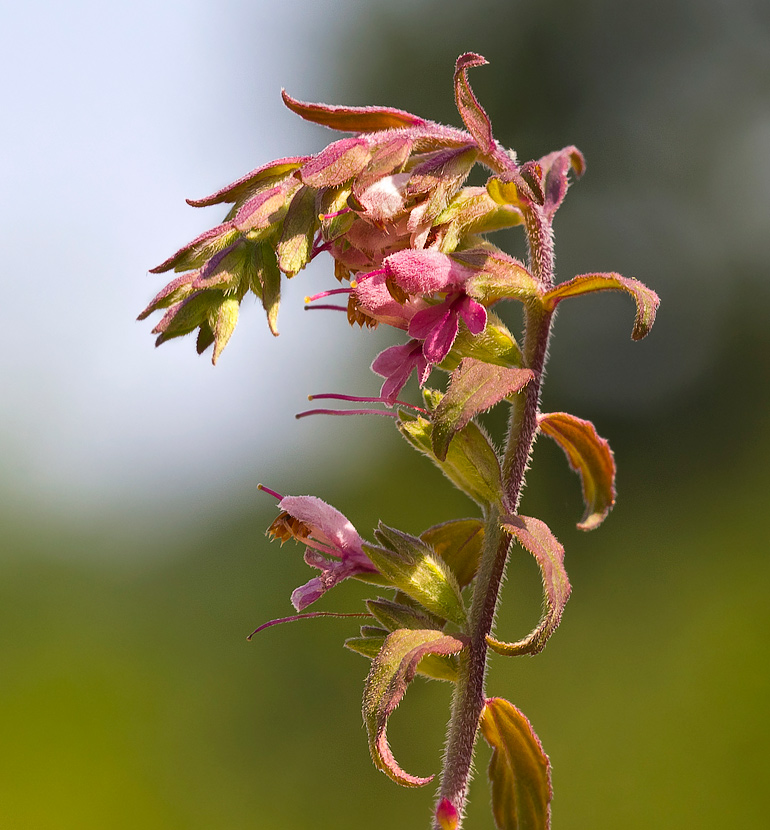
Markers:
(439, 324)
(396, 364)
(332, 544)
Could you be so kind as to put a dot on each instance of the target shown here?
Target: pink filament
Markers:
(345, 412)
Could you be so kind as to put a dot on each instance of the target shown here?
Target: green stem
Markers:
(469, 695)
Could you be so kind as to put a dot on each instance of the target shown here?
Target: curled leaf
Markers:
(392, 671)
(590, 457)
(471, 111)
(647, 301)
(519, 771)
(352, 119)
(535, 536)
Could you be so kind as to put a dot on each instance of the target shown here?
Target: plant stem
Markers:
(469, 695)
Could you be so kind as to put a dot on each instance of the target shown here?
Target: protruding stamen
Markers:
(345, 412)
(308, 616)
(359, 277)
(272, 492)
(326, 308)
(330, 293)
(356, 399)
(324, 216)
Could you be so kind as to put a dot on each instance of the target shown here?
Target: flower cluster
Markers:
(409, 244)
(390, 206)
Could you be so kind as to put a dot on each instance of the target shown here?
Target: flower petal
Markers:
(328, 525)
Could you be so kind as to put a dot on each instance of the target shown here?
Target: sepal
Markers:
(498, 276)
(391, 672)
(647, 301)
(296, 243)
(590, 456)
(337, 163)
(494, 345)
(412, 566)
(475, 387)
(519, 771)
(535, 536)
(471, 463)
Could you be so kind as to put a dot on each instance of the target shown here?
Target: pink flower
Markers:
(438, 325)
(332, 544)
(397, 363)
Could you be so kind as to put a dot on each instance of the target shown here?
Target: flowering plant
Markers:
(409, 244)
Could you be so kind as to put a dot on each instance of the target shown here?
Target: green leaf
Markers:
(590, 457)
(471, 463)
(392, 671)
(647, 301)
(224, 326)
(267, 283)
(298, 229)
(394, 615)
(535, 536)
(433, 666)
(495, 344)
(475, 387)
(499, 276)
(519, 772)
(458, 543)
(414, 568)
(335, 218)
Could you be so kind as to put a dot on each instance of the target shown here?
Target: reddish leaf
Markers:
(245, 186)
(336, 163)
(590, 457)
(535, 536)
(647, 301)
(392, 671)
(475, 387)
(471, 111)
(352, 119)
(519, 772)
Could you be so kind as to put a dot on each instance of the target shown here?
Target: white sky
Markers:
(113, 113)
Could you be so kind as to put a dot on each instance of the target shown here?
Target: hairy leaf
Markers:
(647, 301)
(458, 543)
(471, 111)
(475, 387)
(412, 566)
(493, 345)
(535, 536)
(298, 228)
(394, 615)
(590, 457)
(471, 463)
(352, 119)
(392, 671)
(519, 772)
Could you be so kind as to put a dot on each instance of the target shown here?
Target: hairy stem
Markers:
(469, 695)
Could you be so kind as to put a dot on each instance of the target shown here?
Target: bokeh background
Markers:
(132, 556)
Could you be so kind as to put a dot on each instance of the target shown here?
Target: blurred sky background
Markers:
(132, 561)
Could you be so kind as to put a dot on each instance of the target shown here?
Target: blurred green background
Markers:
(129, 696)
